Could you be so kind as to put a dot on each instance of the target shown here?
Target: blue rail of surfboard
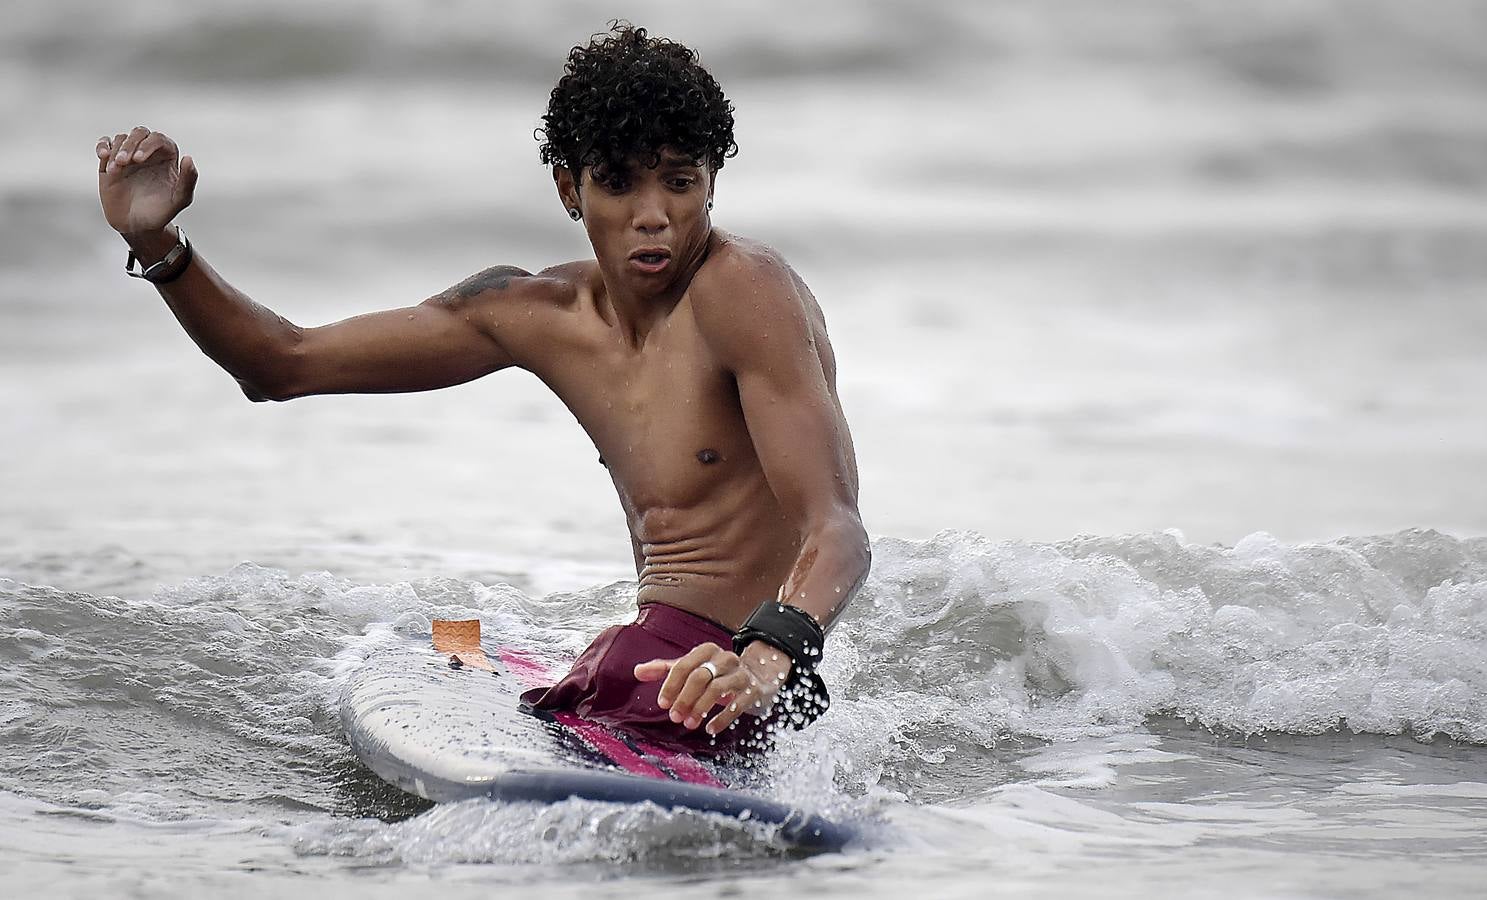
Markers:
(801, 830)
(805, 831)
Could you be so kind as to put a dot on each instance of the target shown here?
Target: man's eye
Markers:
(682, 184)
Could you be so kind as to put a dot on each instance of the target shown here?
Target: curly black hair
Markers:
(625, 96)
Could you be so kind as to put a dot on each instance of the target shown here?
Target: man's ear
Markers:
(567, 186)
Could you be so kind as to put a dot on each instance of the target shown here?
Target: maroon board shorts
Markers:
(602, 687)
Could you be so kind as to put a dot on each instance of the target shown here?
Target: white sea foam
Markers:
(956, 647)
(1001, 639)
(952, 671)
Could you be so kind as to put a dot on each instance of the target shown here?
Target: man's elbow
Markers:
(845, 542)
(274, 377)
(863, 552)
(259, 392)
(845, 533)
(276, 384)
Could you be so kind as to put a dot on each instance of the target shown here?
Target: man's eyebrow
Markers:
(679, 162)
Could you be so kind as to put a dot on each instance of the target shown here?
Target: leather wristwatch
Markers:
(169, 268)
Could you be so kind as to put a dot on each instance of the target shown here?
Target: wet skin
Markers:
(696, 361)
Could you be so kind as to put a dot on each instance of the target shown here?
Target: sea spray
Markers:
(961, 655)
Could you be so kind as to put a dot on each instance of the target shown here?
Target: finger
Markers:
(152, 142)
(104, 150)
(654, 670)
(745, 700)
(114, 145)
(691, 692)
(186, 184)
(125, 154)
(680, 670)
(717, 692)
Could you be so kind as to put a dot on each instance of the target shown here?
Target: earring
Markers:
(574, 213)
(709, 204)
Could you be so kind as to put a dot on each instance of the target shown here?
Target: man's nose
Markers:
(649, 213)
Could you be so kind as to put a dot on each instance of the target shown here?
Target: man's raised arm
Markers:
(143, 183)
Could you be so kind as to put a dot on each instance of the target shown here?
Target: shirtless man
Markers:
(696, 361)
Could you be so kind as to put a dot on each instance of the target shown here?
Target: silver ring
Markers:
(711, 669)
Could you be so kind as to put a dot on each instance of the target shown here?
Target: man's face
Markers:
(648, 225)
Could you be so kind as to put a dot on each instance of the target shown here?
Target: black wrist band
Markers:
(792, 631)
(181, 267)
(168, 268)
(786, 628)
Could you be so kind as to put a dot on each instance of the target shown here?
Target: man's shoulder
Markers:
(554, 286)
(734, 261)
(745, 291)
(745, 276)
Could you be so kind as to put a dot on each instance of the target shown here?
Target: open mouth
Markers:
(650, 259)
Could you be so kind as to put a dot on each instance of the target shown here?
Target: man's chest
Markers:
(665, 417)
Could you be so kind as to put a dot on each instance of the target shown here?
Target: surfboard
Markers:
(441, 719)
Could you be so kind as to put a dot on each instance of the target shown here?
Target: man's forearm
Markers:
(832, 564)
(249, 341)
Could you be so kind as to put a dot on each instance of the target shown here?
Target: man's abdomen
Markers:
(720, 561)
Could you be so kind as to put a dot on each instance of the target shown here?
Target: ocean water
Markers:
(1161, 336)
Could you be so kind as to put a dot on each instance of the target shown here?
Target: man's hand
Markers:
(143, 181)
(747, 684)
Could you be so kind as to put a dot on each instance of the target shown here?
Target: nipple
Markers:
(708, 456)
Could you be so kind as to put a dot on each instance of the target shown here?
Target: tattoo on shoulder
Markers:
(495, 278)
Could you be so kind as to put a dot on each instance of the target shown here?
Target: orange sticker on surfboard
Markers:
(460, 638)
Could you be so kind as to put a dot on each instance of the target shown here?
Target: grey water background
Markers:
(1162, 335)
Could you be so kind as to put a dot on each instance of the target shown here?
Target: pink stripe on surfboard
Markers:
(528, 671)
(610, 745)
(685, 767)
(532, 673)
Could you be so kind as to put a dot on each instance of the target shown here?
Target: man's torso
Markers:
(667, 421)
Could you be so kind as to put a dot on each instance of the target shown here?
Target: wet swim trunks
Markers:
(601, 686)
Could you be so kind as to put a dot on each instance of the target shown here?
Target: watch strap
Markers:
(168, 268)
